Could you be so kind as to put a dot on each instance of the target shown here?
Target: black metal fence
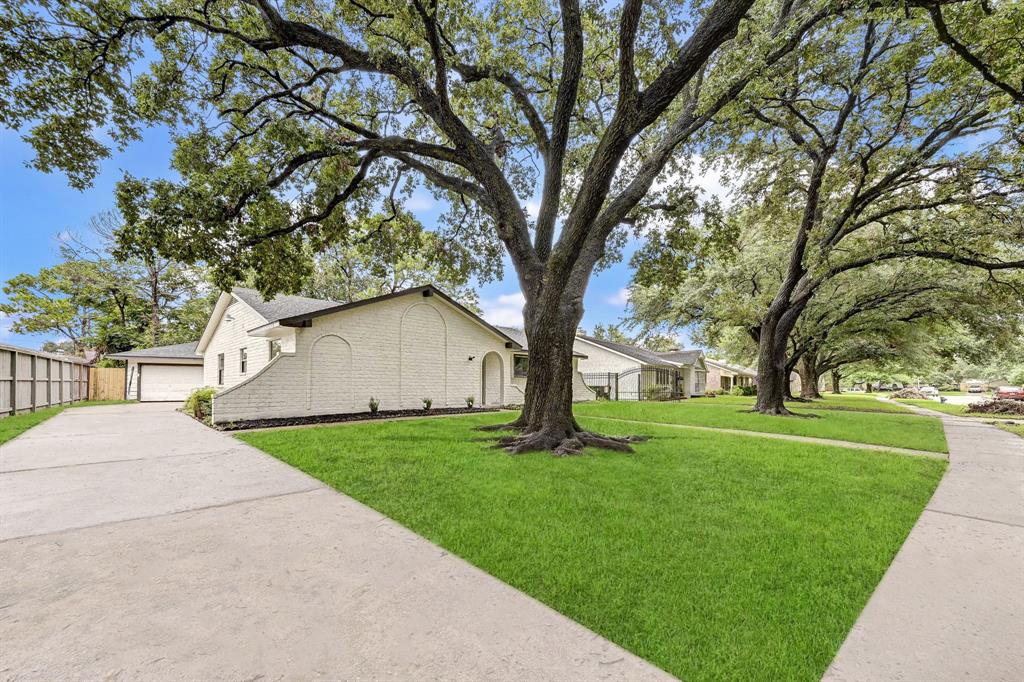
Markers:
(641, 383)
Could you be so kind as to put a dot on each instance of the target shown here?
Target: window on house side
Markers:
(520, 366)
(220, 369)
(275, 348)
(243, 360)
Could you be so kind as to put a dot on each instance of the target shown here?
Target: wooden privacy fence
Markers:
(31, 379)
(106, 383)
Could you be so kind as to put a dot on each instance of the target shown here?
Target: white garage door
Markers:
(169, 382)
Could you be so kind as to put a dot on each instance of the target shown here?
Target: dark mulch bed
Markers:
(348, 417)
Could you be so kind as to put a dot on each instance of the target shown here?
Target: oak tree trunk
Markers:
(835, 382)
(546, 421)
(772, 378)
(808, 372)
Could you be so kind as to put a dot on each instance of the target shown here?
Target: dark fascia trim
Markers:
(306, 320)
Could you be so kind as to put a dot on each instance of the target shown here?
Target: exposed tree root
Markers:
(509, 426)
(774, 411)
(562, 446)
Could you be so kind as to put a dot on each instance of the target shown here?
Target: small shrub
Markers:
(469, 401)
(1010, 407)
(199, 404)
(658, 392)
(374, 405)
(427, 402)
(909, 394)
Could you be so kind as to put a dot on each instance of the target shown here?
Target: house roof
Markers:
(177, 351)
(299, 319)
(520, 337)
(281, 306)
(682, 357)
(639, 354)
(738, 369)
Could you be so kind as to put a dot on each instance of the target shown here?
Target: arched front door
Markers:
(492, 391)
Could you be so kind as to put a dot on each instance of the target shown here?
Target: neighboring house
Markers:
(294, 356)
(520, 365)
(162, 373)
(723, 377)
(625, 372)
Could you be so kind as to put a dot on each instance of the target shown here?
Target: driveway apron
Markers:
(136, 543)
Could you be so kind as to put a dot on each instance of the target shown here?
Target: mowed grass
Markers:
(877, 428)
(1017, 428)
(959, 410)
(713, 556)
(828, 401)
(14, 426)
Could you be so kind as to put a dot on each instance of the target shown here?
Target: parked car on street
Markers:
(1010, 393)
(929, 390)
(975, 388)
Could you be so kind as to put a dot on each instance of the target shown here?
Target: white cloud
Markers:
(505, 310)
(420, 201)
(620, 297)
(5, 326)
(533, 209)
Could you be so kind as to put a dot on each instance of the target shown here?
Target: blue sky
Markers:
(35, 207)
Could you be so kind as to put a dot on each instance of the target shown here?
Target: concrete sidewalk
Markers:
(137, 544)
(951, 605)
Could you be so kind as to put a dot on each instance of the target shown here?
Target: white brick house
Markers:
(294, 356)
(626, 372)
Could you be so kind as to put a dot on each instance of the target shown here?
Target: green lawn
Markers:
(11, 427)
(897, 430)
(714, 556)
(1017, 428)
(959, 410)
(828, 401)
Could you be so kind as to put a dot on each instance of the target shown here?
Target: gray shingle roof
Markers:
(739, 369)
(641, 354)
(174, 351)
(519, 336)
(281, 306)
(683, 357)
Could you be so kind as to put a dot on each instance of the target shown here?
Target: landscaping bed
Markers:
(347, 417)
(714, 556)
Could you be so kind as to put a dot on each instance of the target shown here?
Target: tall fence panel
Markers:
(32, 379)
(106, 383)
(642, 383)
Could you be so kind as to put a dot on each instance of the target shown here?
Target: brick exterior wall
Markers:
(399, 351)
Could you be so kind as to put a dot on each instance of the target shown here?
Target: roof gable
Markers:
(632, 352)
(428, 290)
(281, 306)
(683, 357)
(177, 350)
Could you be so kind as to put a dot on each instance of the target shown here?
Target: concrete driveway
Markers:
(136, 543)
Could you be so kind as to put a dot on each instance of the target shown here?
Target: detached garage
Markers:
(161, 374)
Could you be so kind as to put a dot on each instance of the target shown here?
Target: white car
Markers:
(929, 390)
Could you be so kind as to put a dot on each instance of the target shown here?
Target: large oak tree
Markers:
(294, 120)
(872, 144)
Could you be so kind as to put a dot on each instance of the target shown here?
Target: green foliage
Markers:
(427, 402)
(658, 392)
(380, 260)
(374, 405)
(100, 299)
(743, 390)
(199, 404)
(469, 401)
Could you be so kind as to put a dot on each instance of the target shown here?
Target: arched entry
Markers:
(330, 376)
(492, 385)
(424, 357)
